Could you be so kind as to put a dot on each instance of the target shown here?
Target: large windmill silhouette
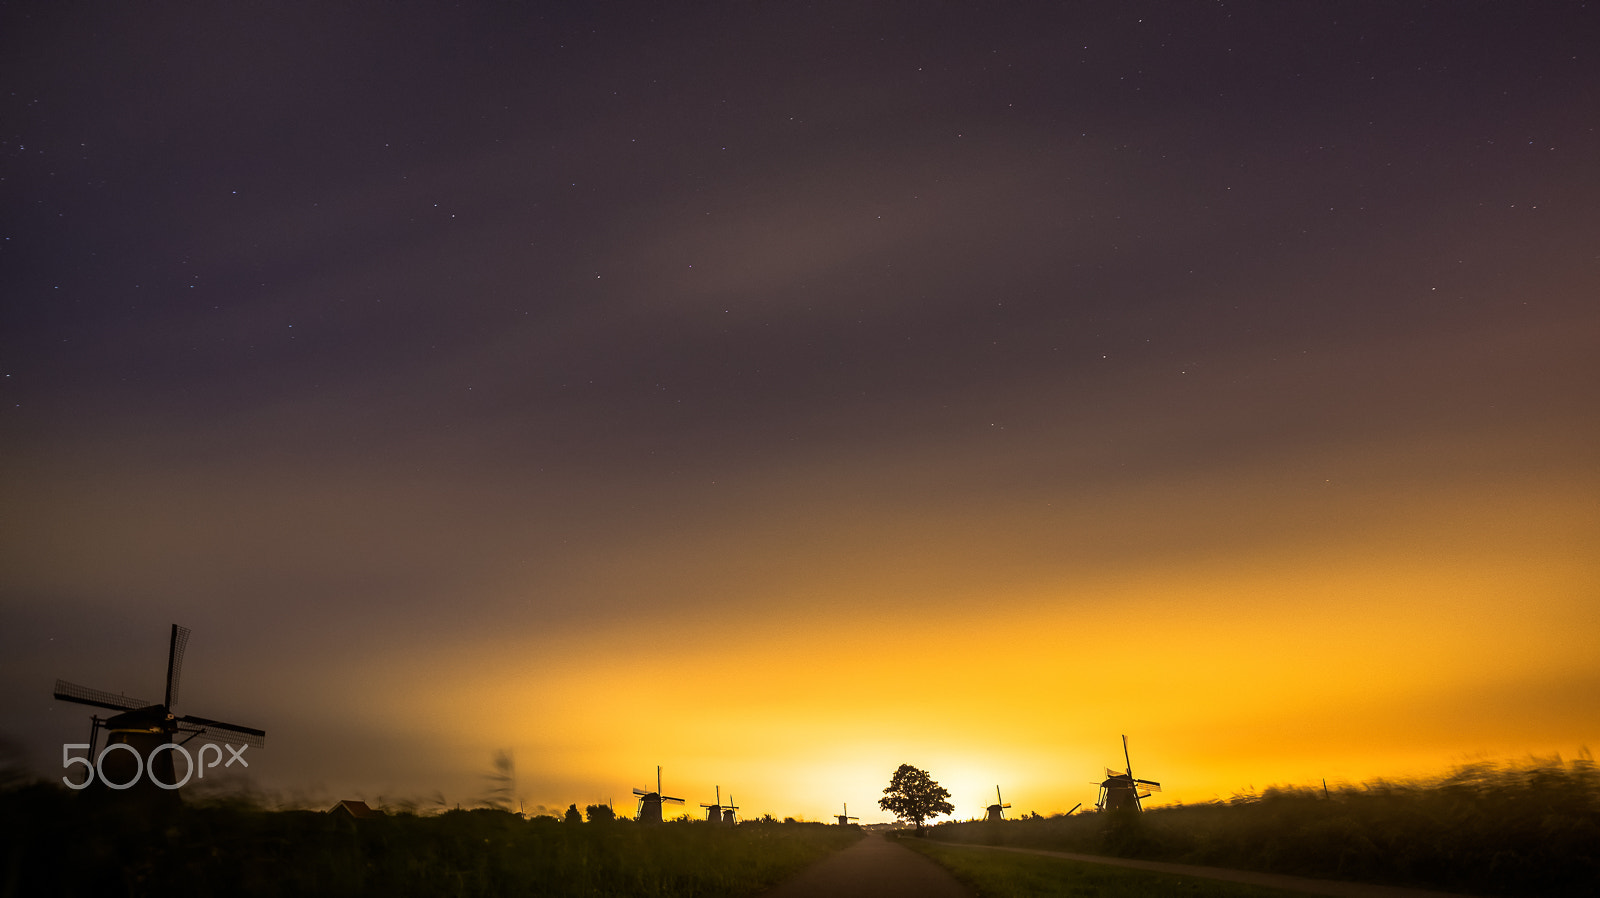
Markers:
(996, 811)
(1121, 790)
(650, 802)
(146, 726)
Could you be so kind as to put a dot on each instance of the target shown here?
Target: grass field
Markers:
(1008, 875)
(1528, 829)
(57, 844)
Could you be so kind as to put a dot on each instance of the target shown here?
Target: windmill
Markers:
(1121, 790)
(845, 818)
(650, 802)
(146, 726)
(996, 810)
(719, 812)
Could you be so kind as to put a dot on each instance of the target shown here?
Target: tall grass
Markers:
(59, 844)
(1522, 829)
(994, 874)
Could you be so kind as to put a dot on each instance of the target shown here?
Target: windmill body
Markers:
(719, 812)
(145, 727)
(1122, 791)
(649, 806)
(996, 811)
(650, 802)
(144, 730)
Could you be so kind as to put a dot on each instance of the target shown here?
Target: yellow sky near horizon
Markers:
(796, 637)
(1353, 661)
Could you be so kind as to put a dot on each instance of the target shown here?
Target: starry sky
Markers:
(782, 392)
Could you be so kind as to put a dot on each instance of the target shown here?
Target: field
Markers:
(1006, 875)
(1531, 829)
(57, 844)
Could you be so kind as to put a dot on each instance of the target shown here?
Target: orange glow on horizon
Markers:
(1226, 677)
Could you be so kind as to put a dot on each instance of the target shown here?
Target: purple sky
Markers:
(361, 338)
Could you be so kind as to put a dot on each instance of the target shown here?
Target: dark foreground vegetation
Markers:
(996, 874)
(1531, 829)
(57, 843)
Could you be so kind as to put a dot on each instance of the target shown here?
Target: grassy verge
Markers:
(56, 844)
(1531, 829)
(1003, 874)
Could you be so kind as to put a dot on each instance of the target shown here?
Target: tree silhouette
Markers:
(572, 815)
(913, 795)
(600, 813)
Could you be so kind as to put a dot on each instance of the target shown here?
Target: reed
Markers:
(1528, 828)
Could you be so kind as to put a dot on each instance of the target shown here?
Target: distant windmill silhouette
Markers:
(1121, 790)
(845, 818)
(146, 726)
(650, 802)
(719, 812)
(995, 810)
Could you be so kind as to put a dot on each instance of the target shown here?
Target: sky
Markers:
(782, 392)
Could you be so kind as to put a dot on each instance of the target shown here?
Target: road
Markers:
(872, 868)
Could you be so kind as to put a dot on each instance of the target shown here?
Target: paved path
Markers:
(1301, 884)
(872, 868)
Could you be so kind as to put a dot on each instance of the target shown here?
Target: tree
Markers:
(600, 813)
(913, 795)
(572, 815)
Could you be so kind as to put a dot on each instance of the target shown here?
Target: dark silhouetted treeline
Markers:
(1531, 829)
(57, 843)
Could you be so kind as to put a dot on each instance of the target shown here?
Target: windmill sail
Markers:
(216, 731)
(83, 695)
(175, 649)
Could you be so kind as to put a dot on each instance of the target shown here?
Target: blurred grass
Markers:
(58, 843)
(1007, 875)
(1506, 829)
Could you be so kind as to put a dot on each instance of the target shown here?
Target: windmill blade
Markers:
(175, 649)
(220, 735)
(217, 731)
(671, 799)
(1153, 787)
(1006, 805)
(208, 722)
(1110, 772)
(83, 695)
(642, 792)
